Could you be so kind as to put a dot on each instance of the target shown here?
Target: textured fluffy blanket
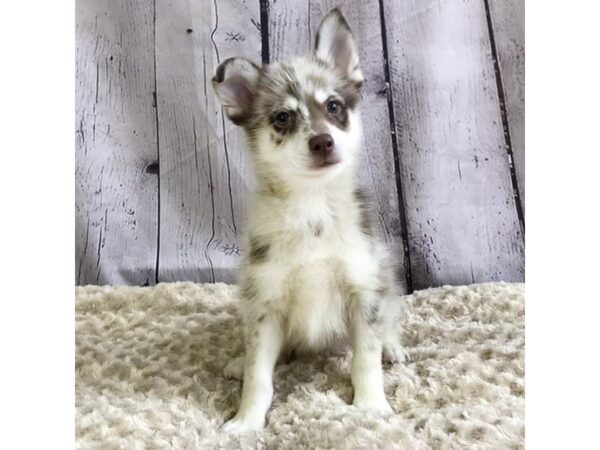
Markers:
(149, 366)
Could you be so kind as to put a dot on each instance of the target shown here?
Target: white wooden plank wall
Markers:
(461, 214)
(162, 178)
(204, 173)
(116, 199)
(509, 40)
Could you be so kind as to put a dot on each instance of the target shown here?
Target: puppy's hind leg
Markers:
(393, 351)
(235, 368)
(391, 331)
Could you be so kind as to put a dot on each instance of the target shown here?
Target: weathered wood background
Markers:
(162, 179)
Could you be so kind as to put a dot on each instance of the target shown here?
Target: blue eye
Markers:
(333, 106)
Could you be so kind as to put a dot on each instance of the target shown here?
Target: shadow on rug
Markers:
(149, 364)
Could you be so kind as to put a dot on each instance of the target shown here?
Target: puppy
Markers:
(313, 275)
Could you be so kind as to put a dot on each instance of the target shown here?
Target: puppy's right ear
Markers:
(235, 84)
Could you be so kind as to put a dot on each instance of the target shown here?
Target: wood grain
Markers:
(508, 21)
(162, 180)
(116, 200)
(204, 173)
(292, 29)
(462, 221)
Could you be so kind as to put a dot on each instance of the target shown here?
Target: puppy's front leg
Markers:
(367, 373)
(263, 347)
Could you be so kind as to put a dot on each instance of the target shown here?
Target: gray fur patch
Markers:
(365, 219)
(317, 229)
(372, 312)
(383, 290)
(258, 250)
(248, 289)
(276, 139)
(350, 92)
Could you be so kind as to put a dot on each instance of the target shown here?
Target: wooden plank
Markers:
(461, 214)
(508, 20)
(204, 173)
(292, 29)
(116, 200)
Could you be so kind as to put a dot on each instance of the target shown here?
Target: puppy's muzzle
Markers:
(322, 149)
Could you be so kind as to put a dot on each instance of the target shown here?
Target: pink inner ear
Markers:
(341, 53)
(237, 91)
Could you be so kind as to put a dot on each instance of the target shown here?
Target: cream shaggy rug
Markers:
(149, 365)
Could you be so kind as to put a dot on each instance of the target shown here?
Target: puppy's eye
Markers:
(282, 118)
(333, 106)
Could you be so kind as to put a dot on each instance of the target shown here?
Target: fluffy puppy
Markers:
(313, 275)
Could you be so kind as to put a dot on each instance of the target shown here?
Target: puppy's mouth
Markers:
(322, 162)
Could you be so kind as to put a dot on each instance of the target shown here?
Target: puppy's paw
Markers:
(238, 426)
(235, 368)
(393, 353)
(377, 405)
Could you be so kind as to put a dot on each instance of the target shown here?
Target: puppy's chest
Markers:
(314, 304)
(309, 268)
(314, 270)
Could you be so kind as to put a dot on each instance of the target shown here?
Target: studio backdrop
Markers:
(163, 179)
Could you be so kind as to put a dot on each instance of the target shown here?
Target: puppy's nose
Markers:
(321, 144)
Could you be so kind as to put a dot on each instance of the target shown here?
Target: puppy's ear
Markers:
(235, 84)
(335, 45)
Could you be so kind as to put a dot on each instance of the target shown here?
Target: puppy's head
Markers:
(300, 115)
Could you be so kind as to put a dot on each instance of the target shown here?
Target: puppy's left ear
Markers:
(235, 84)
(336, 45)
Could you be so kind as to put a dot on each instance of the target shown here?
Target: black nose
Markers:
(321, 144)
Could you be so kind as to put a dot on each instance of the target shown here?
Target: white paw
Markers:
(235, 368)
(238, 426)
(393, 353)
(377, 405)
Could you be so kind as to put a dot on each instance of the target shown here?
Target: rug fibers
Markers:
(149, 365)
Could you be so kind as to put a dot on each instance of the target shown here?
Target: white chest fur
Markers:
(316, 249)
(315, 308)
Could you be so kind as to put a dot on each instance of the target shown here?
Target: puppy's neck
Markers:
(273, 188)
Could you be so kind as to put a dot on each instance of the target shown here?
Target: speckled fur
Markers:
(314, 276)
